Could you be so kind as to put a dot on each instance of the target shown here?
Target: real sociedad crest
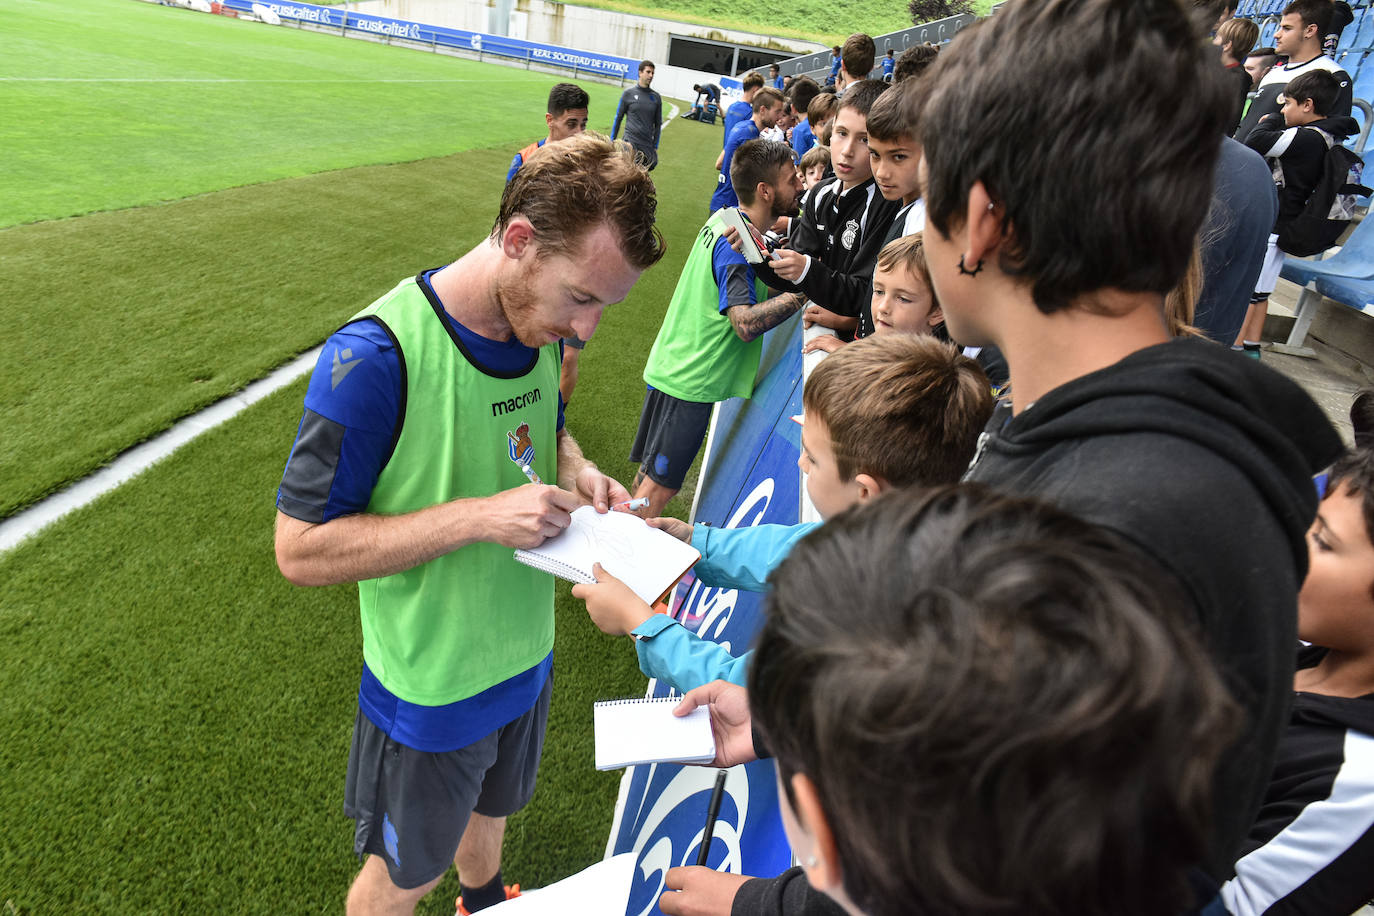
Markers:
(520, 446)
(851, 232)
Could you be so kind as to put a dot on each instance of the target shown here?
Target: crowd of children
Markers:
(1042, 655)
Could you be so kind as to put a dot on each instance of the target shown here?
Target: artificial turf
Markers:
(177, 715)
(121, 322)
(113, 103)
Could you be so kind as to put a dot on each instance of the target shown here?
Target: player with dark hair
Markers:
(709, 91)
(709, 345)
(641, 108)
(744, 108)
(803, 91)
(566, 117)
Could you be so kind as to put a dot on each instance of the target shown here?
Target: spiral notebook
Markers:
(646, 559)
(631, 732)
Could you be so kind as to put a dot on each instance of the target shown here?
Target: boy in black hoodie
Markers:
(1294, 140)
(1056, 224)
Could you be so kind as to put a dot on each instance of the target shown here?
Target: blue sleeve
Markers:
(658, 119)
(619, 113)
(514, 167)
(348, 428)
(668, 652)
(734, 276)
(743, 557)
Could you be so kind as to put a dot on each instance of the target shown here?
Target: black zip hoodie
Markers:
(1204, 459)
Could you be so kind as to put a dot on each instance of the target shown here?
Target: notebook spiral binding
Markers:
(638, 700)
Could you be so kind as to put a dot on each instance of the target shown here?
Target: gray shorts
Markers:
(410, 807)
(669, 437)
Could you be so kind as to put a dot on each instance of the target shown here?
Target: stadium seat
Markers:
(1355, 259)
(1355, 293)
(1349, 33)
(1363, 30)
(1245, 8)
(1267, 30)
(1362, 79)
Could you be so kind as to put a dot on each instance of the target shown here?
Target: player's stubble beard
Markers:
(518, 303)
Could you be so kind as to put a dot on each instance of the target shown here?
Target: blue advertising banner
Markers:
(749, 477)
(480, 42)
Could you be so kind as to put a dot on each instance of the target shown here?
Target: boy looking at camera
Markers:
(844, 221)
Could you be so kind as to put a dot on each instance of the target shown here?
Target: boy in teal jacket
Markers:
(915, 421)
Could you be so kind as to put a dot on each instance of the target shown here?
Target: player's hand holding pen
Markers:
(525, 517)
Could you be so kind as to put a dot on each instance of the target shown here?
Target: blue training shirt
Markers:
(724, 195)
(740, 111)
(345, 437)
(803, 138)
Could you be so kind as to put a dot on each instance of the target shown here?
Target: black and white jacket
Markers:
(1271, 89)
(842, 233)
(1312, 847)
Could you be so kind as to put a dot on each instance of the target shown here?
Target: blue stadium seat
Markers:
(1350, 32)
(1267, 29)
(1354, 261)
(1245, 7)
(1362, 77)
(1356, 292)
(1364, 31)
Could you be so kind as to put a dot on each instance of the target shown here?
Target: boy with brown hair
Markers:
(856, 61)
(1105, 407)
(1236, 38)
(814, 164)
(893, 411)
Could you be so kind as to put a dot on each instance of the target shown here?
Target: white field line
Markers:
(25, 524)
(138, 459)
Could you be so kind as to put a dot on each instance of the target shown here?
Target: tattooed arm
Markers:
(751, 321)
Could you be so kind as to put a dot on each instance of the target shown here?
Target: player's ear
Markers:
(936, 316)
(548, 119)
(517, 239)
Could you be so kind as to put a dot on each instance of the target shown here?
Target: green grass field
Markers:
(165, 309)
(176, 715)
(112, 104)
